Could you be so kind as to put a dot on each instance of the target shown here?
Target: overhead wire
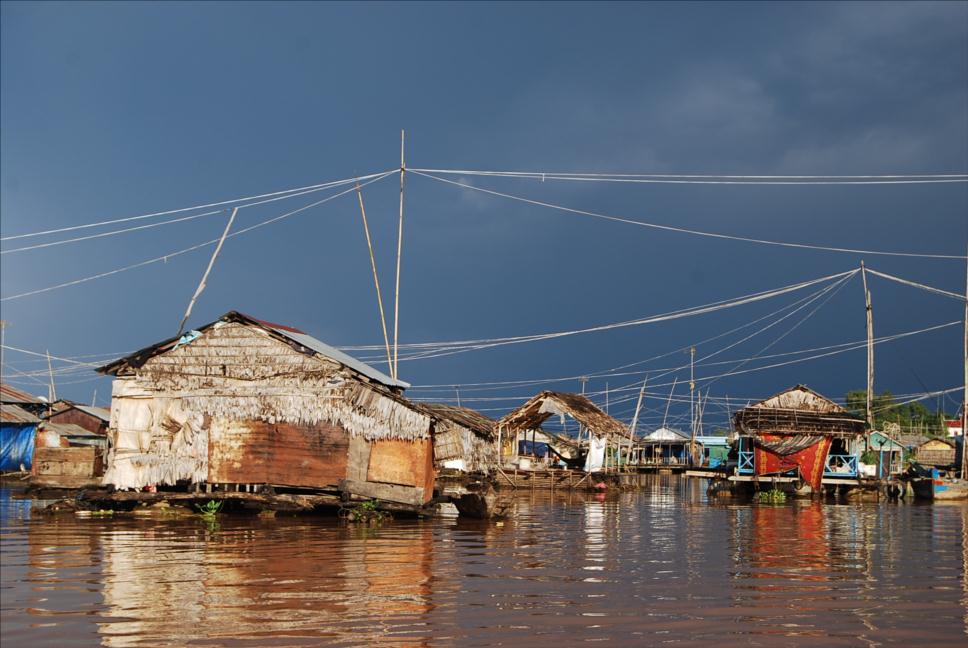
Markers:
(306, 189)
(192, 248)
(672, 178)
(684, 230)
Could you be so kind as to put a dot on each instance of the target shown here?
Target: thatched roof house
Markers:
(539, 409)
(796, 430)
(245, 401)
(464, 439)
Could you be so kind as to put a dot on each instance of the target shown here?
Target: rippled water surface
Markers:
(660, 566)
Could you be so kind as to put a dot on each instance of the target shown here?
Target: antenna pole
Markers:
(376, 282)
(396, 305)
(870, 348)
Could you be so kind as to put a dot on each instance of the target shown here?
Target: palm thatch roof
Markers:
(539, 409)
(798, 410)
(463, 416)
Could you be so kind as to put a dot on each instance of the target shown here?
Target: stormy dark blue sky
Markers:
(115, 110)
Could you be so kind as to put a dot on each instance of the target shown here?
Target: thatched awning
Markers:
(798, 411)
(539, 409)
(463, 416)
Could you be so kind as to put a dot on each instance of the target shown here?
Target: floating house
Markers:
(714, 450)
(18, 429)
(464, 440)
(888, 452)
(245, 404)
(600, 431)
(799, 434)
(939, 453)
(67, 455)
(663, 447)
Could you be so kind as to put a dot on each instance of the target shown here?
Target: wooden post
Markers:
(870, 348)
(396, 305)
(376, 282)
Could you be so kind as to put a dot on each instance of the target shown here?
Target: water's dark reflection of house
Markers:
(298, 582)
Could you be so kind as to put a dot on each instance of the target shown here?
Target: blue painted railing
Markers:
(746, 465)
(840, 466)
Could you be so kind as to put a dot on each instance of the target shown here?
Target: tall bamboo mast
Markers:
(964, 400)
(396, 305)
(870, 348)
(376, 280)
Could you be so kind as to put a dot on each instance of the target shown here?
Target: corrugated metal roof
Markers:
(70, 430)
(10, 394)
(13, 414)
(332, 353)
(99, 412)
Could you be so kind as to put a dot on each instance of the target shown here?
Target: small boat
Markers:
(939, 487)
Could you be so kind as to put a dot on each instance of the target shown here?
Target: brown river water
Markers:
(661, 566)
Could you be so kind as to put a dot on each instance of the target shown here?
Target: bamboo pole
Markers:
(376, 280)
(211, 263)
(669, 402)
(964, 401)
(396, 305)
(3, 328)
(870, 348)
(635, 417)
(51, 390)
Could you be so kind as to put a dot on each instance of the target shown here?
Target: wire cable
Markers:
(683, 230)
(192, 248)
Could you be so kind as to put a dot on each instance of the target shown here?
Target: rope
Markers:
(682, 230)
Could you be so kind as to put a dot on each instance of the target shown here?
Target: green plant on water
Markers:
(368, 512)
(209, 509)
(773, 496)
(869, 457)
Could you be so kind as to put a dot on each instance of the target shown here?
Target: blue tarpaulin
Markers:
(538, 449)
(16, 446)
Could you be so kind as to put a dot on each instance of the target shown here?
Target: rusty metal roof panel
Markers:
(9, 394)
(13, 414)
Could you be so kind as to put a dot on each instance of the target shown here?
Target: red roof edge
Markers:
(281, 327)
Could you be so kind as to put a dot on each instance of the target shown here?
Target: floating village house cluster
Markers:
(248, 407)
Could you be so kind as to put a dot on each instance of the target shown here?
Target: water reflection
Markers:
(638, 568)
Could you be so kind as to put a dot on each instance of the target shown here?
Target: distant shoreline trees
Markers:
(913, 418)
